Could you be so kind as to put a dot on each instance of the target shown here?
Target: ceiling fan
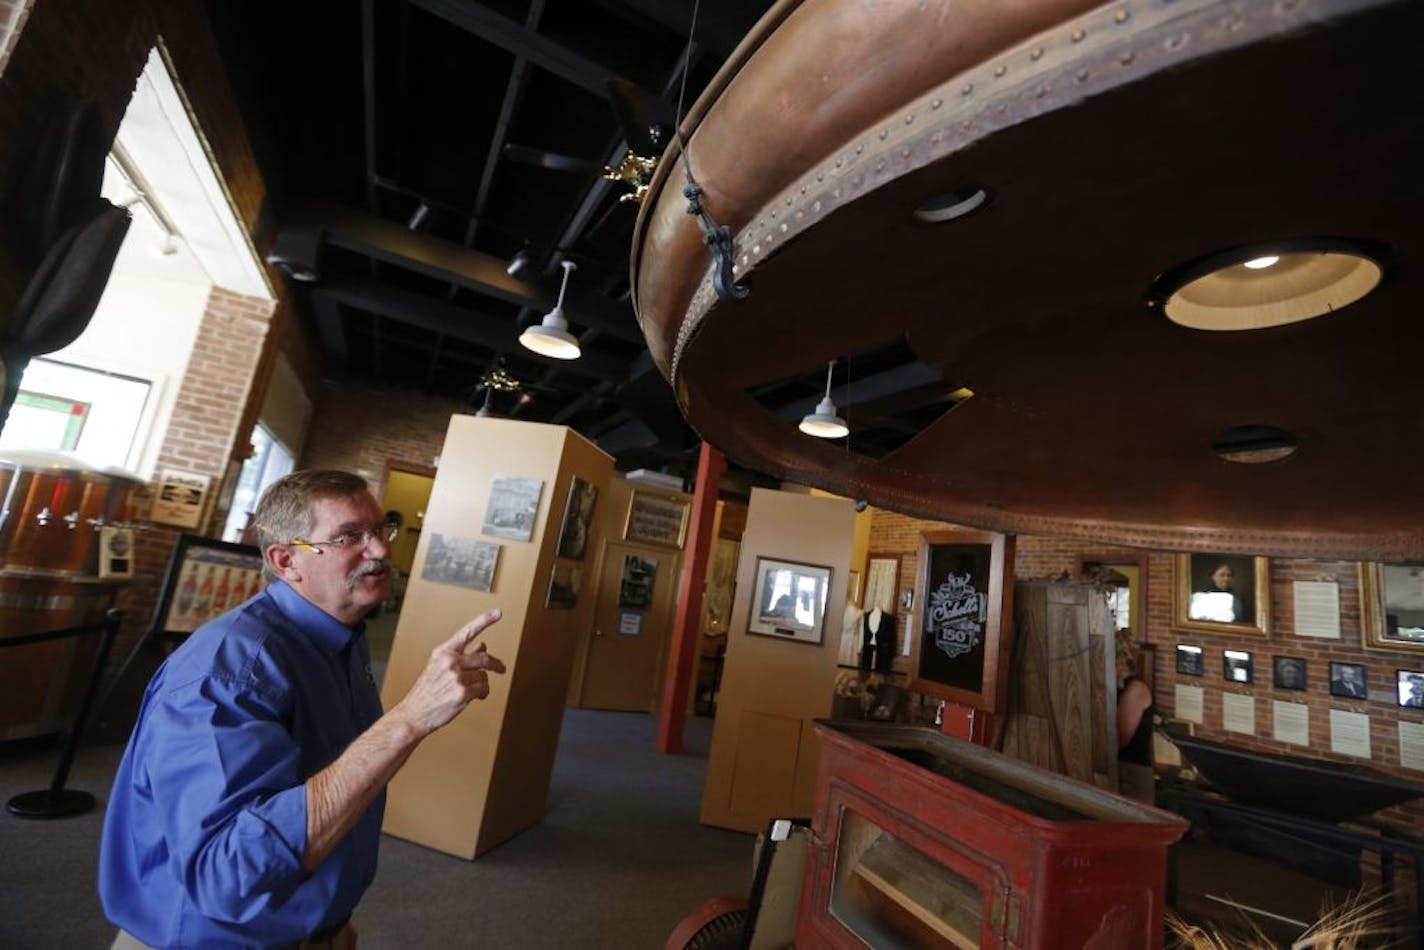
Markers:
(647, 122)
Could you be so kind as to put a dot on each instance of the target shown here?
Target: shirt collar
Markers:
(326, 631)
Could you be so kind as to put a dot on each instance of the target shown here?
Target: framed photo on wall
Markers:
(460, 562)
(564, 584)
(1237, 666)
(1222, 593)
(1410, 684)
(964, 594)
(1349, 680)
(656, 519)
(1392, 607)
(789, 600)
(512, 506)
(1288, 672)
(578, 519)
(635, 587)
(1191, 660)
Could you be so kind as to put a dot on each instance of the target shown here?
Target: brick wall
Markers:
(360, 428)
(203, 432)
(1047, 558)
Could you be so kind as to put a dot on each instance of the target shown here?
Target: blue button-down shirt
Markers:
(207, 823)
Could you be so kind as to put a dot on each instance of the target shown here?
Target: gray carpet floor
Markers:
(617, 861)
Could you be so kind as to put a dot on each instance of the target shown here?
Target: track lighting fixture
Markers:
(520, 263)
(552, 337)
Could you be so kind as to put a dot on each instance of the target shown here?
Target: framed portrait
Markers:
(1410, 686)
(1288, 672)
(1349, 680)
(578, 519)
(461, 562)
(564, 585)
(656, 519)
(1392, 607)
(1222, 593)
(204, 579)
(512, 507)
(1237, 666)
(882, 580)
(964, 596)
(789, 600)
(635, 588)
(1191, 660)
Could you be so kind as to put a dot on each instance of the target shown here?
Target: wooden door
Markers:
(408, 493)
(630, 628)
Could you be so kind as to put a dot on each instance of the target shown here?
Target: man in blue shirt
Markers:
(247, 809)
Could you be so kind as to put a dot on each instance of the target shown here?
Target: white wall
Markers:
(144, 327)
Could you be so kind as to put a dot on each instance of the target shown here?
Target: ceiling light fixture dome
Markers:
(552, 337)
(824, 423)
(1269, 285)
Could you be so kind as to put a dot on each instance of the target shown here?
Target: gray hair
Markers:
(284, 511)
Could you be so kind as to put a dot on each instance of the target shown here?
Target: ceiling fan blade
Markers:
(646, 119)
(553, 160)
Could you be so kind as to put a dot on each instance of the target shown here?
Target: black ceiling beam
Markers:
(889, 383)
(513, 92)
(720, 29)
(518, 39)
(441, 316)
(451, 262)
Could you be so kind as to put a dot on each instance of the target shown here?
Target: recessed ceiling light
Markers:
(1254, 444)
(951, 205)
(1269, 285)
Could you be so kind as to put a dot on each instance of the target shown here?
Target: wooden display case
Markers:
(925, 841)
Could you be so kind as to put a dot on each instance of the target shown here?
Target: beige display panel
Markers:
(485, 777)
(764, 756)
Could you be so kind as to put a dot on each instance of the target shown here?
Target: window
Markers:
(270, 461)
(90, 412)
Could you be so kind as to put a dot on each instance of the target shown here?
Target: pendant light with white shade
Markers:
(551, 337)
(825, 423)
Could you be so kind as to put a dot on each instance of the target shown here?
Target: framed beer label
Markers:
(964, 591)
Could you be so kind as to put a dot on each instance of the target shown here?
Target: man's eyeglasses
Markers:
(356, 538)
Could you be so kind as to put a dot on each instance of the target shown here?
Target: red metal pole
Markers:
(683, 650)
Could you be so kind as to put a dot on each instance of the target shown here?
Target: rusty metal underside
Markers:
(1116, 142)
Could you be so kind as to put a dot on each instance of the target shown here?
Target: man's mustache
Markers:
(367, 567)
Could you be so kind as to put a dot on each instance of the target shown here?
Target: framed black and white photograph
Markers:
(1191, 660)
(1410, 684)
(461, 562)
(578, 517)
(789, 600)
(1349, 680)
(1237, 666)
(1392, 607)
(1288, 672)
(635, 590)
(564, 587)
(513, 505)
(1223, 593)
